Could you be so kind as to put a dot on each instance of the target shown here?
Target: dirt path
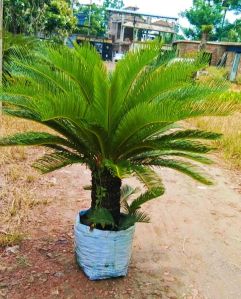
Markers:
(192, 248)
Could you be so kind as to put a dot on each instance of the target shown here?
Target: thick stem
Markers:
(106, 192)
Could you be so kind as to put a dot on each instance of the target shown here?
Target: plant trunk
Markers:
(203, 42)
(106, 192)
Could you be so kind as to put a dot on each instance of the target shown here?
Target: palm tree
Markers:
(118, 124)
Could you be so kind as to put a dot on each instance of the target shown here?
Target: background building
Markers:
(223, 54)
(128, 26)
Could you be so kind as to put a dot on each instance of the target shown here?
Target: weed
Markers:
(10, 239)
(30, 178)
(22, 261)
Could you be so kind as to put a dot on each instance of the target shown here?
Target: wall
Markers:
(189, 49)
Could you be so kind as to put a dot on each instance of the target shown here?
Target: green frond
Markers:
(162, 114)
(188, 134)
(184, 167)
(130, 219)
(100, 112)
(101, 216)
(165, 79)
(156, 145)
(56, 160)
(141, 217)
(145, 197)
(125, 77)
(153, 184)
(147, 176)
(120, 169)
(127, 191)
(126, 222)
(148, 156)
(21, 113)
(33, 138)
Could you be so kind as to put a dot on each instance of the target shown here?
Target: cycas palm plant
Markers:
(118, 123)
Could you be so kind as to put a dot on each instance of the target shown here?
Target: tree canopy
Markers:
(213, 12)
(113, 4)
(96, 17)
(38, 17)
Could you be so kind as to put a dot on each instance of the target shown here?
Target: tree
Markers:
(59, 18)
(96, 17)
(94, 23)
(202, 13)
(38, 17)
(118, 125)
(230, 5)
(210, 12)
(113, 4)
(233, 33)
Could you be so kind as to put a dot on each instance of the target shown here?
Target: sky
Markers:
(170, 8)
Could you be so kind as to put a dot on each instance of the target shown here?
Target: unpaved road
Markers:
(192, 248)
(195, 235)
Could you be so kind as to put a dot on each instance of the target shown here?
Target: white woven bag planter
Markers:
(102, 254)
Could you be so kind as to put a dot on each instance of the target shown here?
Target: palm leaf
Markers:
(149, 155)
(183, 167)
(56, 160)
(148, 177)
(33, 138)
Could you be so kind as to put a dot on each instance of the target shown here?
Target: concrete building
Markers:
(129, 26)
(223, 54)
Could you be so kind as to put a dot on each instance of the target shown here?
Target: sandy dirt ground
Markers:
(191, 250)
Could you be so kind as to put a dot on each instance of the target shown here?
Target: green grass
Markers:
(10, 239)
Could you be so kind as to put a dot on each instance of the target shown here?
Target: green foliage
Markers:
(124, 121)
(11, 41)
(94, 24)
(132, 212)
(207, 28)
(232, 32)
(213, 13)
(96, 17)
(39, 17)
(102, 217)
(113, 4)
(59, 19)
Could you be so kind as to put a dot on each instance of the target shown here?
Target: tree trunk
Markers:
(106, 192)
(203, 42)
(224, 17)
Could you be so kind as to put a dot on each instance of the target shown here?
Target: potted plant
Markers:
(119, 124)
